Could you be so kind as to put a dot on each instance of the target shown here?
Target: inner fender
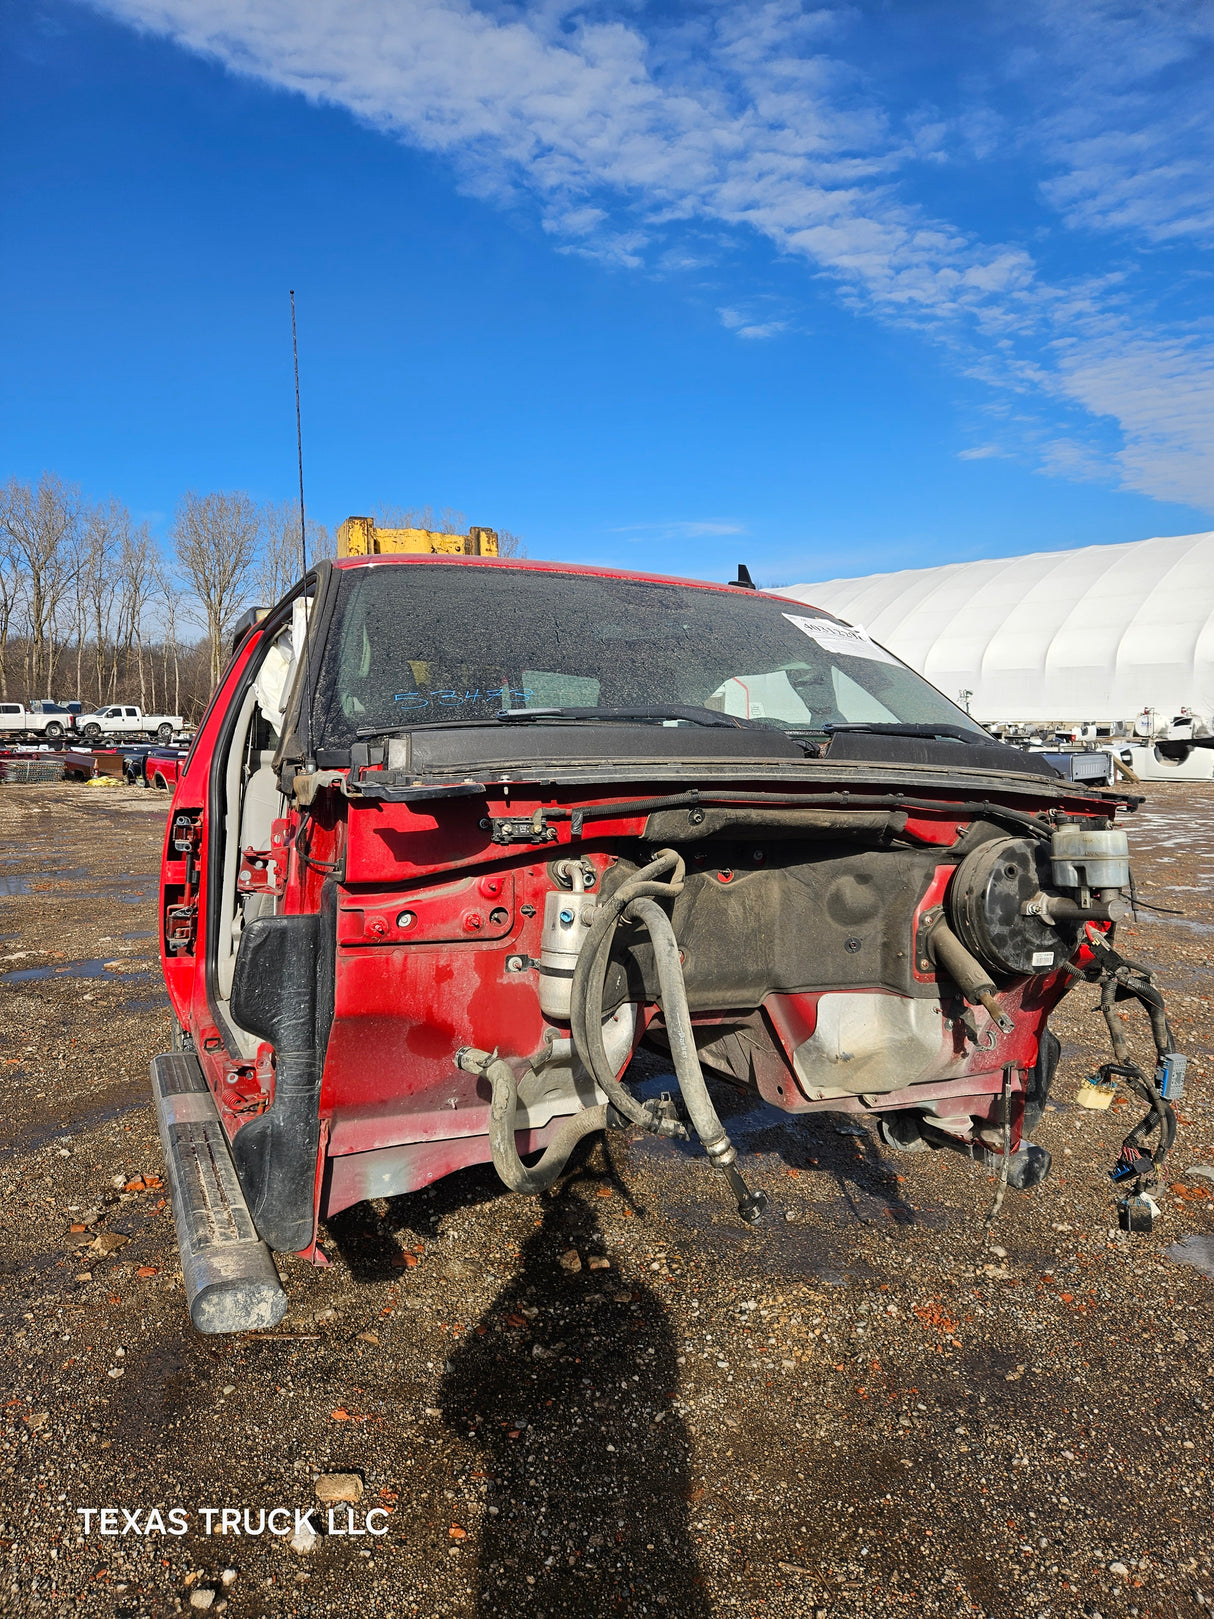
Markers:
(275, 996)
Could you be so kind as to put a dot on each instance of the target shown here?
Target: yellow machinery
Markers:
(359, 537)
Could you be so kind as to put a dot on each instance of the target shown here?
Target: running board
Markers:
(231, 1281)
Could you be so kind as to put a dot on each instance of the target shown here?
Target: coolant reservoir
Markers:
(567, 919)
(1091, 858)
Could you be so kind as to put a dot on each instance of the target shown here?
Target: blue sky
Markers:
(827, 288)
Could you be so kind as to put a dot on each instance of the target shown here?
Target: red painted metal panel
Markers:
(402, 1012)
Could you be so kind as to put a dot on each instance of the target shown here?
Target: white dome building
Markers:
(1098, 634)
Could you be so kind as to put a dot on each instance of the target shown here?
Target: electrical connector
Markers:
(1138, 1213)
(1170, 1075)
(1132, 1165)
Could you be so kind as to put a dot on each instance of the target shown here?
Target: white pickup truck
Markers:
(127, 720)
(42, 718)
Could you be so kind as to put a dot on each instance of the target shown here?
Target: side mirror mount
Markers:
(251, 617)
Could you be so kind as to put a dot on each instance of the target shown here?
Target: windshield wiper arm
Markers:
(527, 716)
(368, 733)
(672, 711)
(952, 733)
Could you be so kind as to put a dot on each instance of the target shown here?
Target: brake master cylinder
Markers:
(568, 913)
(1093, 860)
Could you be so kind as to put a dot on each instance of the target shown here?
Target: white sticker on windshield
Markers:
(846, 640)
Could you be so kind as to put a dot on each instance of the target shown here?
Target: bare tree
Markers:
(169, 597)
(445, 521)
(135, 577)
(280, 560)
(11, 584)
(80, 605)
(79, 580)
(95, 593)
(216, 537)
(40, 523)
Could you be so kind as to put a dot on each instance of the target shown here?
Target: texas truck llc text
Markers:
(230, 1521)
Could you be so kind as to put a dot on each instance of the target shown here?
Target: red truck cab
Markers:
(457, 835)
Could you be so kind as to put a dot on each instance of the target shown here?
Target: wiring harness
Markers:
(1138, 1164)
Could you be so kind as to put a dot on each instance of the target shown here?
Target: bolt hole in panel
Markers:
(441, 915)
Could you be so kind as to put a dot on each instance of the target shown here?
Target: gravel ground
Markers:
(615, 1401)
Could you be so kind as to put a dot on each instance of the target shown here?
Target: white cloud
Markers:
(686, 529)
(1126, 125)
(745, 326)
(1160, 391)
(749, 118)
(613, 146)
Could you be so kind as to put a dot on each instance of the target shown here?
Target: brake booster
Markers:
(1020, 908)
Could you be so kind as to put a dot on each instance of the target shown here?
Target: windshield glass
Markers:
(422, 643)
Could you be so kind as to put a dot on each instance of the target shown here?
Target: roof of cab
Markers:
(526, 565)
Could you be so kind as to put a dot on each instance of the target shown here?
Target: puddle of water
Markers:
(859, 1207)
(147, 933)
(766, 1138)
(1177, 922)
(711, 1227)
(47, 880)
(152, 1003)
(43, 1130)
(94, 968)
(1195, 1251)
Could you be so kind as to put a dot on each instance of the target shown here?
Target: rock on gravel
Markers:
(333, 1487)
(304, 1540)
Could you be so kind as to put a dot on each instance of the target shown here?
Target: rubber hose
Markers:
(678, 1026)
(969, 975)
(506, 1160)
(590, 977)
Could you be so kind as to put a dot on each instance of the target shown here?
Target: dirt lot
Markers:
(857, 1410)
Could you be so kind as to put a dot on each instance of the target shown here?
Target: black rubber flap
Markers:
(939, 752)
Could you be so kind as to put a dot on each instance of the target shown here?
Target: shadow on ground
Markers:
(566, 1384)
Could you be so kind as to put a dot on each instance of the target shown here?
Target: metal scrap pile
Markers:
(32, 770)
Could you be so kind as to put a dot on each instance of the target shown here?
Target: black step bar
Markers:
(231, 1281)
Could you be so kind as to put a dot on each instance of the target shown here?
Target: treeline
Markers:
(92, 609)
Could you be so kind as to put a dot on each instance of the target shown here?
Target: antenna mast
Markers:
(303, 533)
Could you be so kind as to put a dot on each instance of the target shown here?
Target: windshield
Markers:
(425, 643)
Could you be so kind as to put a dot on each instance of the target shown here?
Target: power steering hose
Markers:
(590, 978)
(503, 1107)
(703, 1115)
(636, 899)
(502, 1110)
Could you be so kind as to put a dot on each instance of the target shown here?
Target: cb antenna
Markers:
(303, 533)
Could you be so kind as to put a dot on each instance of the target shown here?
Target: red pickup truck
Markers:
(458, 835)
